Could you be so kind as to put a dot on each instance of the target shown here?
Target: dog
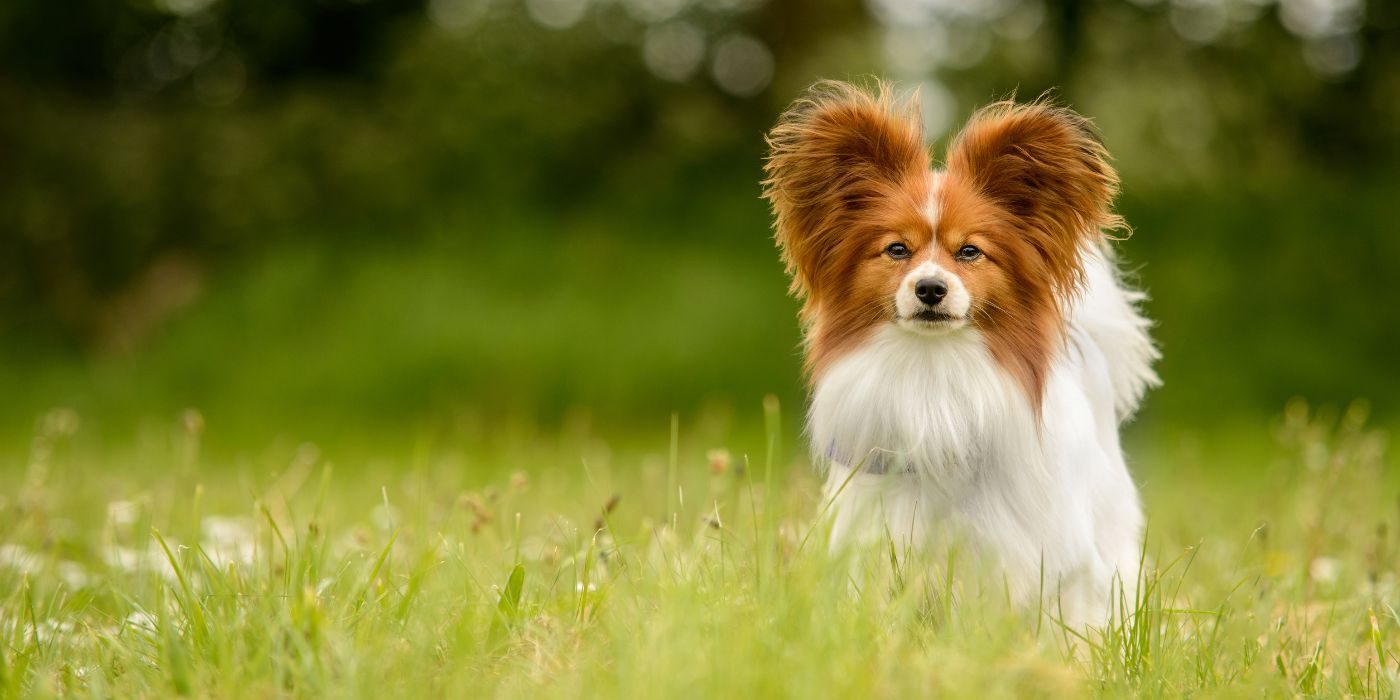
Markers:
(970, 345)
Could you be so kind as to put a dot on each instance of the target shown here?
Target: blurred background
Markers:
(369, 219)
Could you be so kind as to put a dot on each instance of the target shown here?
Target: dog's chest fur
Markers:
(939, 407)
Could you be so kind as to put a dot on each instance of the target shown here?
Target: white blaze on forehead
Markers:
(932, 210)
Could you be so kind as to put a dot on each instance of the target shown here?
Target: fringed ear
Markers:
(835, 155)
(1046, 167)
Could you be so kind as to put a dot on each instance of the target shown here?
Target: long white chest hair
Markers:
(937, 407)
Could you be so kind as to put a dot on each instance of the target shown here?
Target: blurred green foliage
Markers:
(373, 213)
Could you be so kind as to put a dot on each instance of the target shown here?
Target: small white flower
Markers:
(73, 574)
(228, 540)
(384, 516)
(124, 559)
(226, 530)
(153, 558)
(158, 561)
(19, 558)
(141, 620)
(123, 513)
(48, 631)
(224, 556)
(1324, 569)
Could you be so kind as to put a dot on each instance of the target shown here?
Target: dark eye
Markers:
(898, 251)
(968, 252)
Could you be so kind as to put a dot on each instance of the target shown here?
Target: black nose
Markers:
(930, 290)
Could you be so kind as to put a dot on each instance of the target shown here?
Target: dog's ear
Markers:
(835, 154)
(1047, 168)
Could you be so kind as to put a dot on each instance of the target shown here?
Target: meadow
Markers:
(440, 347)
(400, 468)
(690, 563)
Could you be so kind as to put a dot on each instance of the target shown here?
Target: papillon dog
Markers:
(970, 344)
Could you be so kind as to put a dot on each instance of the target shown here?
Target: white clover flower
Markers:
(1324, 570)
(228, 540)
(123, 513)
(19, 558)
(73, 574)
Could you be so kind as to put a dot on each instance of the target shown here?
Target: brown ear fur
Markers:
(1046, 166)
(839, 160)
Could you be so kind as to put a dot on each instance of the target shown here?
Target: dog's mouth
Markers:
(933, 320)
(933, 316)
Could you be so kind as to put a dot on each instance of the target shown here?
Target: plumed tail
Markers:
(1108, 312)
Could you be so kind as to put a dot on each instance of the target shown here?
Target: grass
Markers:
(571, 567)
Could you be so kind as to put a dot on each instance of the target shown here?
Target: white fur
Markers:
(932, 209)
(948, 449)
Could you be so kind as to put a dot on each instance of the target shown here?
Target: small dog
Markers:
(970, 346)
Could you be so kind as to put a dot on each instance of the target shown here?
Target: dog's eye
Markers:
(898, 251)
(968, 252)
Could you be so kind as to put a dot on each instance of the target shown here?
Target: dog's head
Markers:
(873, 235)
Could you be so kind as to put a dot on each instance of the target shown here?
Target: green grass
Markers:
(566, 565)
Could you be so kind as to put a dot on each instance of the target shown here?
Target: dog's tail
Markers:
(1108, 312)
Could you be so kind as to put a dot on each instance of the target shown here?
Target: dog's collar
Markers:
(873, 462)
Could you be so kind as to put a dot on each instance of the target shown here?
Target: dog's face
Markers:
(930, 279)
(874, 236)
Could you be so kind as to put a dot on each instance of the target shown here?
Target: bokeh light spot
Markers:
(732, 6)
(1333, 56)
(913, 50)
(1314, 19)
(1022, 22)
(742, 65)
(457, 14)
(674, 50)
(936, 106)
(654, 11)
(556, 14)
(968, 44)
(184, 7)
(1199, 21)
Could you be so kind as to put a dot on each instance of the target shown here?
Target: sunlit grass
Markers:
(694, 571)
